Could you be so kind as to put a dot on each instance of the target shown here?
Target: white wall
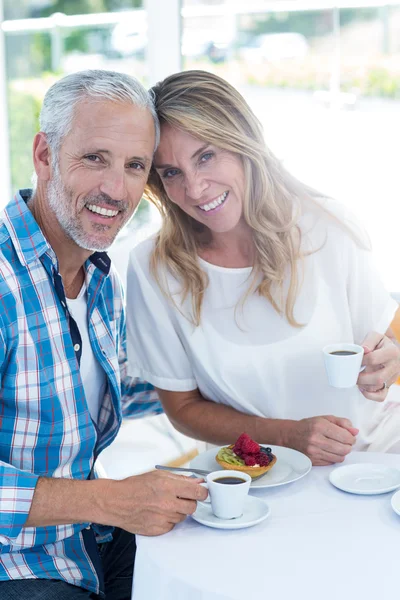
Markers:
(5, 178)
(164, 35)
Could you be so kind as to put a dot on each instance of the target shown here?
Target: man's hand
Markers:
(326, 440)
(151, 504)
(382, 366)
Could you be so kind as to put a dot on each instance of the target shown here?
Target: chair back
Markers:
(395, 327)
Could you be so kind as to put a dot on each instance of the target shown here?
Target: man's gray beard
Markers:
(60, 201)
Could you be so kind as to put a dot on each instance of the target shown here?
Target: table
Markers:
(319, 543)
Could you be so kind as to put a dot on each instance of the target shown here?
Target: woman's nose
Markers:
(196, 185)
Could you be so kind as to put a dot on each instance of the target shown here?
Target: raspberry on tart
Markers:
(247, 456)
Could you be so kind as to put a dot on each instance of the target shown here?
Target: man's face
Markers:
(102, 169)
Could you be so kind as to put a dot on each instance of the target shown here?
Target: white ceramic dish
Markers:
(365, 478)
(396, 502)
(290, 466)
(255, 511)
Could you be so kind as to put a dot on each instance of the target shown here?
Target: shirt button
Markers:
(77, 347)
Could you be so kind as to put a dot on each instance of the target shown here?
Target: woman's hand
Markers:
(326, 440)
(382, 366)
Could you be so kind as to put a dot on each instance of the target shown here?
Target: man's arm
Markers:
(67, 501)
(17, 489)
(149, 504)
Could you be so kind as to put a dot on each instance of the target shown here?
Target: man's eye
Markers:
(136, 166)
(92, 157)
(168, 173)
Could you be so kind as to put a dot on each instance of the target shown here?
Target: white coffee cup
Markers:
(343, 369)
(227, 499)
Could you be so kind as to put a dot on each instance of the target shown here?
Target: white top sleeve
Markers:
(155, 351)
(371, 307)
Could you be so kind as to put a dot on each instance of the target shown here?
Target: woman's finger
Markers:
(378, 396)
(319, 456)
(375, 380)
(382, 356)
(371, 341)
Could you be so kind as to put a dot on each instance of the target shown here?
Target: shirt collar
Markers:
(27, 237)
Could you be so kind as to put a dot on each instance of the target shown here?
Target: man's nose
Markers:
(114, 184)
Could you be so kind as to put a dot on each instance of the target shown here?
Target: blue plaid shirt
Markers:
(45, 424)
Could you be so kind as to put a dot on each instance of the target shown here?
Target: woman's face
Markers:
(205, 181)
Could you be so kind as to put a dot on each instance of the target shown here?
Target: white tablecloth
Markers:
(319, 543)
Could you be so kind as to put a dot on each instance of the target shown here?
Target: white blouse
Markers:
(247, 356)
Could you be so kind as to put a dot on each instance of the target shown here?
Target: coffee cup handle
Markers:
(207, 500)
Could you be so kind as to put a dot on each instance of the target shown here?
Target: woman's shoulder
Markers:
(141, 268)
(141, 253)
(328, 222)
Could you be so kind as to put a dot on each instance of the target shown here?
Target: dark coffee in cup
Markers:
(343, 363)
(230, 480)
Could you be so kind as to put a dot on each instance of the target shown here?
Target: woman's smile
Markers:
(215, 205)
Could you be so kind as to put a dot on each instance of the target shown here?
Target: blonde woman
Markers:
(251, 274)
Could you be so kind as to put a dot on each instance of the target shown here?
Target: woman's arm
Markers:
(216, 423)
(326, 439)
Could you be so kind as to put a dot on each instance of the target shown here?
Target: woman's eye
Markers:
(206, 157)
(169, 173)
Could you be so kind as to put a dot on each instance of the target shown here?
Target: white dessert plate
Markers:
(365, 478)
(290, 466)
(396, 502)
(255, 511)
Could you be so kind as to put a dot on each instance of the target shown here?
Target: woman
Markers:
(251, 274)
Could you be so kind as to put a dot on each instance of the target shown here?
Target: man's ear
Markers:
(41, 157)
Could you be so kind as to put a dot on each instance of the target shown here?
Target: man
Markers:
(62, 361)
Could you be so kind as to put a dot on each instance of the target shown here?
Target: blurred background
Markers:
(323, 78)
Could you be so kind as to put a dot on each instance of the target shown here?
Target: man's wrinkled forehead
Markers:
(107, 123)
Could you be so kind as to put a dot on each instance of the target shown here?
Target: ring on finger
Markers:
(384, 387)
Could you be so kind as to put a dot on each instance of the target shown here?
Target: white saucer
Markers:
(396, 502)
(255, 511)
(365, 478)
(290, 466)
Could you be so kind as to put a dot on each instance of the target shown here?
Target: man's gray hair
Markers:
(61, 99)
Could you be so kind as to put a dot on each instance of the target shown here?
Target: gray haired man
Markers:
(64, 388)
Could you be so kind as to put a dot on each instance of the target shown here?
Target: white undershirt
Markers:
(93, 376)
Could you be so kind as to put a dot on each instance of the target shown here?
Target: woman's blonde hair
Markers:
(210, 109)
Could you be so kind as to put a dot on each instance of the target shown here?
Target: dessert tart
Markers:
(246, 456)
